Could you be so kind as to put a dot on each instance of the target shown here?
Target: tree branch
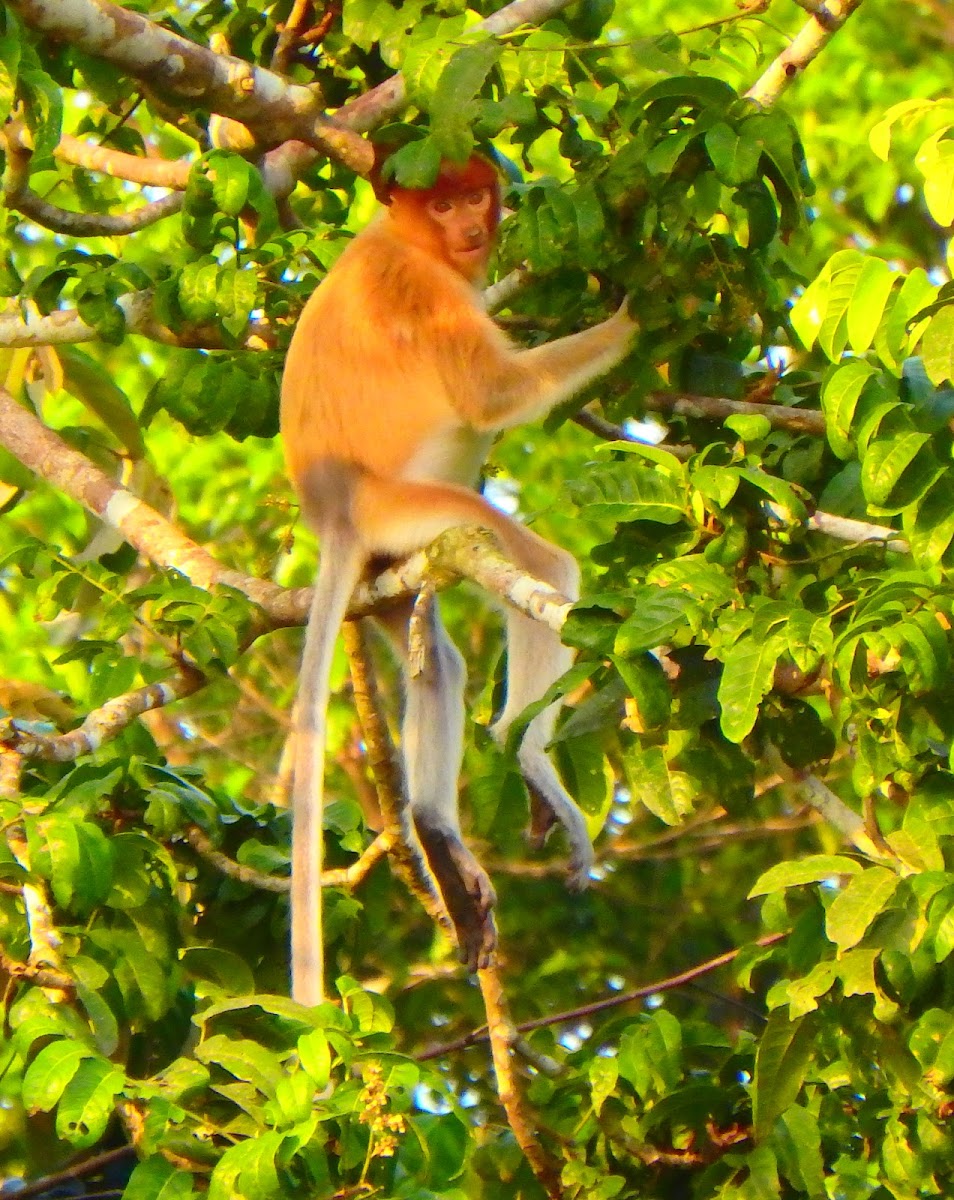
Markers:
(178, 70)
(710, 408)
(345, 877)
(478, 1036)
(406, 858)
(502, 1036)
(104, 723)
(813, 37)
(80, 224)
(150, 172)
(67, 327)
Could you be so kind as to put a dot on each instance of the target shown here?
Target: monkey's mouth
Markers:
(470, 252)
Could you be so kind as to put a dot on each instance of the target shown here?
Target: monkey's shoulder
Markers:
(399, 282)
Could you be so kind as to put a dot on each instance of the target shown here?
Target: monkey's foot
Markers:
(466, 890)
(548, 809)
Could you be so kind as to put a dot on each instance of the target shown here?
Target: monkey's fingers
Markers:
(467, 892)
(551, 806)
(542, 819)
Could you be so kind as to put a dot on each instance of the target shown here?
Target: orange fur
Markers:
(395, 382)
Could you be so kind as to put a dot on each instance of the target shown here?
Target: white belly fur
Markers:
(454, 455)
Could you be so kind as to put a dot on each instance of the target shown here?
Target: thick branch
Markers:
(80, 224)
(187, 74)
(845, 529)
(150, 172)
(461, 552)
(813, 37)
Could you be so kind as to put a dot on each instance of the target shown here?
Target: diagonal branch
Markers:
(180, 71)
(813, 37)
(478, 1036)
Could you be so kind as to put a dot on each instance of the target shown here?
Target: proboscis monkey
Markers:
(395, 384)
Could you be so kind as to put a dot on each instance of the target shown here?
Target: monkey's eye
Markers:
(440, 206)
(477, 197)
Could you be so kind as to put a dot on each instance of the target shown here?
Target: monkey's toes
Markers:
(467, 893)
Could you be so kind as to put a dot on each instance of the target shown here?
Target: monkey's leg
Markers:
(398, 516)
(536, 658)
(432, 745)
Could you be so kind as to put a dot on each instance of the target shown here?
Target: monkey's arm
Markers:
(506, 387)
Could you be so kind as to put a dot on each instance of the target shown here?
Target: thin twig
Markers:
(288, 38)
(343, 877)
(103, 723)
(80, 1170)
(478, 1036)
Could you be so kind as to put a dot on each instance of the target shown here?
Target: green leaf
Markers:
(813, 869)
(88, 1102)
(659, 615)
(718, 484)
(846, 270)
(462, 79)
(886, 460)
(223, 968)
(603, 1075)
(937, 346)
(853, 910)
(735, 157)
(648, 687)
(248, 1170)
(230, 181)
(156, 1178)
(11, 42)
(869, 298)
(244, 1059)
(840, 393)
(939, 188)
(47, 1076)
(197, 287)
(749, 427)
(781, 1062)
(314, 1053)
(540, 58)
(77, 858)
(747, 678)
(236, 295)
(667, 794)
(630, 491)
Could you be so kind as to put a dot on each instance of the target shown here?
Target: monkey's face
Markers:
(465, 222)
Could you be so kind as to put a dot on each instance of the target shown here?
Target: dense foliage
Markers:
(761, 715)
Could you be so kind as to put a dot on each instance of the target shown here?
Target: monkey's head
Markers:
(455, 219)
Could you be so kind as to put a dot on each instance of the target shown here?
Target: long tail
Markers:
(338, 573)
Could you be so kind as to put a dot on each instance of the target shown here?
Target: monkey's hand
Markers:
(466, 890)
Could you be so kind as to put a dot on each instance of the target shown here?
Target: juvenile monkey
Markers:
(395, 385)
